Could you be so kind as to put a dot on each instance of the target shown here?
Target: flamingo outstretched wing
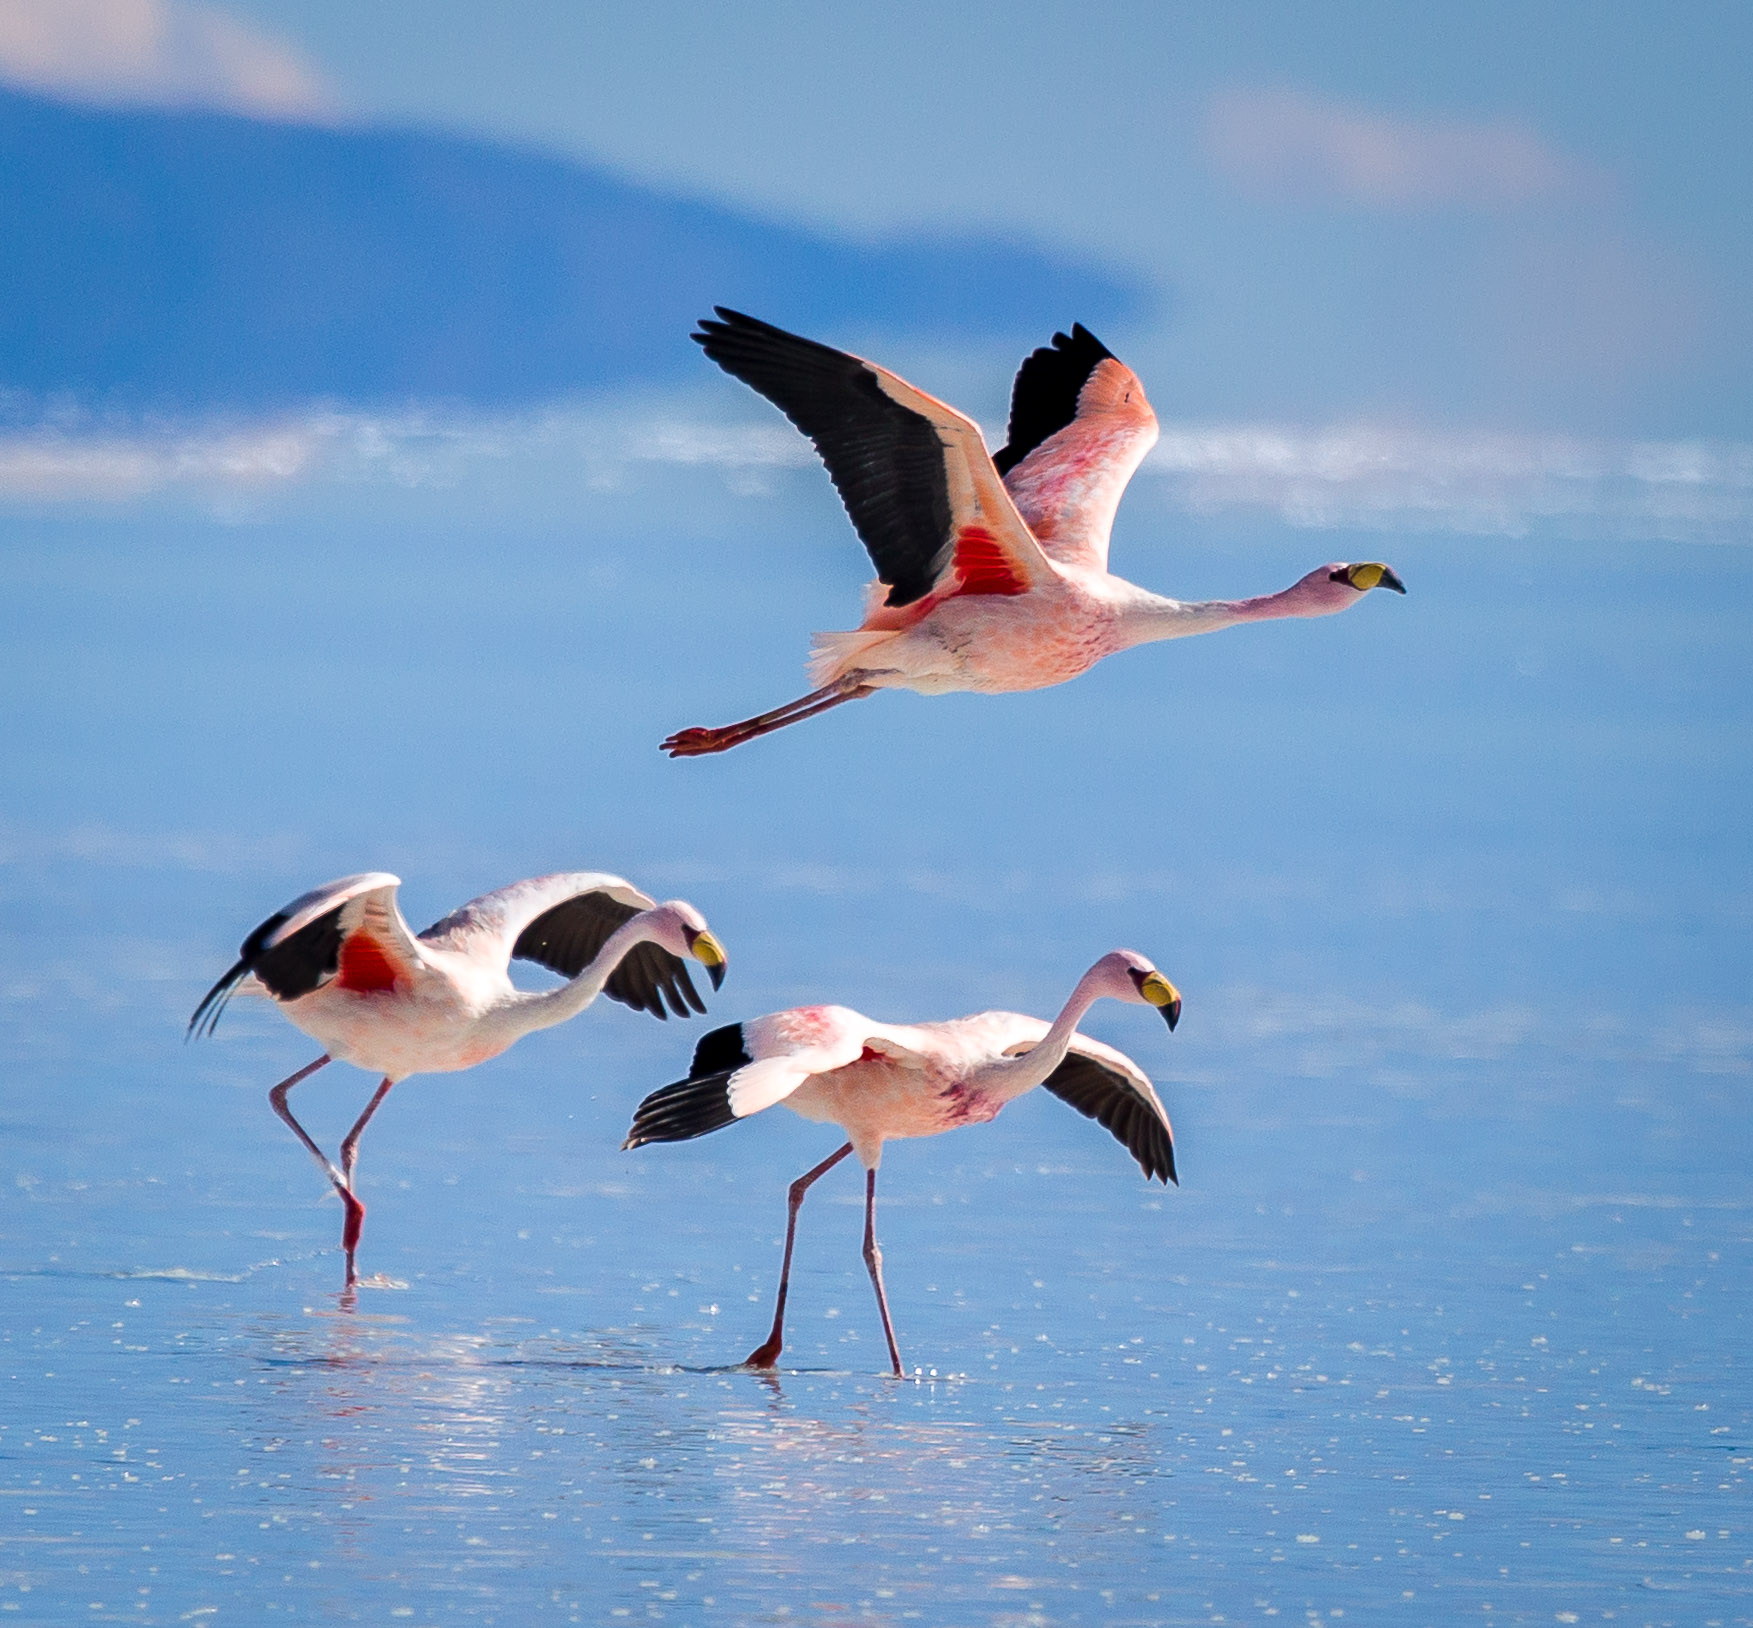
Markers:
(351, 929)
(914, 474)
(1079, 428)
(561, 922)
(1107, 1086)
(745, 1067)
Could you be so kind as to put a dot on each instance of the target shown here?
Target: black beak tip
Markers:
(1171, 1014)
(1390, 580)
(716, 974)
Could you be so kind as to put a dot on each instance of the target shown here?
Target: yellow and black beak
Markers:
(1373, 574)
(1163, 995)
(710, 954)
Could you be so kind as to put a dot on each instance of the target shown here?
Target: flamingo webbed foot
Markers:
(698, 741)
(764, 1356)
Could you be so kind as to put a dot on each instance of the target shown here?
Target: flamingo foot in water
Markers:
(765, 1355)
(351, 1228)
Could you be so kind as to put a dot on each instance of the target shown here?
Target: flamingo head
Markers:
(682, 930)
(1339, 584)
(1125, 975)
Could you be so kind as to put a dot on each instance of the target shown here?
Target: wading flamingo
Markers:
(992, 571)
(342, 965)
(883, 1081)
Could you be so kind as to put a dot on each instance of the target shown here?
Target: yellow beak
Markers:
(710, 954)
(1164, 996)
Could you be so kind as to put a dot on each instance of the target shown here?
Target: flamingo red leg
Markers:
(767, 1353)
(355, 1222)
(873, 1258)
(355, 1217)
(698, 742)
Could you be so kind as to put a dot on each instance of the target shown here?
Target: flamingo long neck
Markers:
(1026, 1072)
(1152, 618)
(544, 1010)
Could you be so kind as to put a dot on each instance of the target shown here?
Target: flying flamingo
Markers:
(342, 965)
(883, 1081)
(992, 571)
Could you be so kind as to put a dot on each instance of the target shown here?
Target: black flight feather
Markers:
(721, 1051)
(1044, 398)
(680, 1112)
(293, 967)
(885, 460)
(1098, 1093)
(567, 938)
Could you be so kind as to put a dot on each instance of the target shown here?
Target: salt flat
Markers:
(1449, 1319)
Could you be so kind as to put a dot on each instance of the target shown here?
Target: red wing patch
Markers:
(983, 566)
(365, 966)
(869, 1056)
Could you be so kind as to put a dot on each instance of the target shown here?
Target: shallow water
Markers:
(1448, 1320)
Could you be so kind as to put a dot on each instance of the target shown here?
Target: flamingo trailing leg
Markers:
(881, 1082)
(341, 963)
(992, 571)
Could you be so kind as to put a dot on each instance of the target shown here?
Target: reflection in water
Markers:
(361, 1464)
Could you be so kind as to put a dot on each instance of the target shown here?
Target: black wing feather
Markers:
(1096, 1092)
(680, 1112)
(721, 1051)
(1044, 398)
(886, 461)
(293, 967)
(567, 938)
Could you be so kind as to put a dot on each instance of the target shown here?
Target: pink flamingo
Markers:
(341, 964)
(992, 571)
(882, 1081)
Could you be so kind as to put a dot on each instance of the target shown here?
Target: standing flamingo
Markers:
(342, 965)
(992, 571)
(882, 1081)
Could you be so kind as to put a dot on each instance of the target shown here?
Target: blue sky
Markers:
(1531, 217)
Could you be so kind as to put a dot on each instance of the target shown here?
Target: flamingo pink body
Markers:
(883, 1082)
(342, 965)
(904, 1080)
(984, 583)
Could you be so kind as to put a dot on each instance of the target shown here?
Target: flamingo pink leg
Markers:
(697, 742)
(873, 1258)
(355, 1223)
(767, 1353)
(355, 1217)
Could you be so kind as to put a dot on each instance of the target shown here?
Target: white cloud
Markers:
(155, 53)
(57, 464)
(1479, 483)
(1287, 144)
(1345, 476)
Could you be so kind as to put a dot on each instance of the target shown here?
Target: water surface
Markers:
(1447, 1321)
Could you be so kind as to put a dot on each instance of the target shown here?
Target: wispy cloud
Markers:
(54, 464)
(1287, 144)
(1479, 483)
(156, 53)
(77, 459)
(1347, 476)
